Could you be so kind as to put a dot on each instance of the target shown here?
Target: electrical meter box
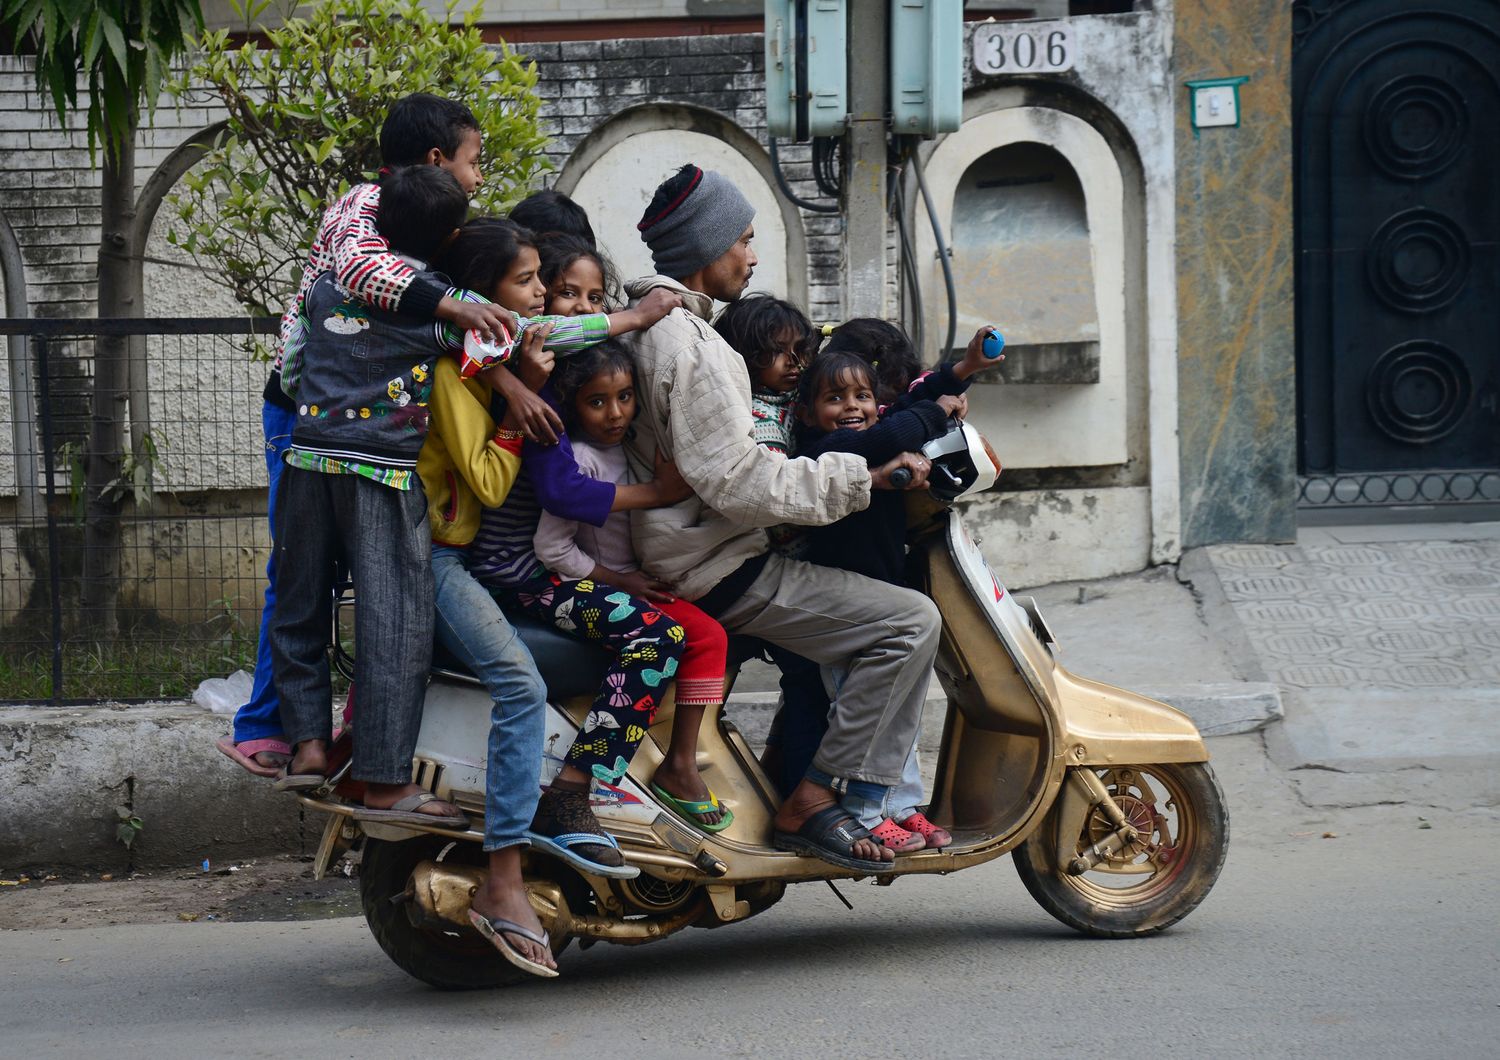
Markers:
(927, 66)
(807, 80)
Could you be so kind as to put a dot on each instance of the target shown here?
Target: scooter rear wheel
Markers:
(448, 957)
(1177, 810)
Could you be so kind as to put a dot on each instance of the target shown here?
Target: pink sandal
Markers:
(931, 834)
(244, 754)
(893, 837)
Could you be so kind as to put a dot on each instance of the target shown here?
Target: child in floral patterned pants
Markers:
(651, 644)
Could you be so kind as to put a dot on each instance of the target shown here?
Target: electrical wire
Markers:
(786, 188)
(942, 251)
(895, 203)
(825, 166)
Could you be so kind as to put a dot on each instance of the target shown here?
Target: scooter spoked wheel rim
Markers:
(1178, 813)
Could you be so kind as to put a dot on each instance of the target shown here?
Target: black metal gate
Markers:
(1397, 175)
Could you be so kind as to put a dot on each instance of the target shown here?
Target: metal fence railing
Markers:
(133, 535)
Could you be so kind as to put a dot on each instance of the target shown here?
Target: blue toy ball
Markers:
(994, 342)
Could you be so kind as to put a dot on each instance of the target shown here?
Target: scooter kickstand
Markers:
(847, 904)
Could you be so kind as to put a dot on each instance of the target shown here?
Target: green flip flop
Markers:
(694, 811)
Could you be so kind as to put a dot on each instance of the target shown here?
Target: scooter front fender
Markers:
(1104, 725)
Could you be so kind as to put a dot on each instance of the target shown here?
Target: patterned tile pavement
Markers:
(1378, 615)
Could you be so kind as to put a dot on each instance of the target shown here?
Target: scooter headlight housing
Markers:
(963, 463)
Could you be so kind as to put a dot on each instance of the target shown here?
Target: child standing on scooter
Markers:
(420, 129)
(840, 413)
(349, 494)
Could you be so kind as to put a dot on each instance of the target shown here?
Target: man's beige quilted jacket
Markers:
(694, 393)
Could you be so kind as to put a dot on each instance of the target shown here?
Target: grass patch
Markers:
(155, 663)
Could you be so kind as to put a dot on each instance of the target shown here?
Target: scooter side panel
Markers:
(1007, 618)
(454, 738)
(1108, 724)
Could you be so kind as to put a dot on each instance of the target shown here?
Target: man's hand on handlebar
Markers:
(907, 472)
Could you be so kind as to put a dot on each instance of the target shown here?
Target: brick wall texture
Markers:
(50, 191)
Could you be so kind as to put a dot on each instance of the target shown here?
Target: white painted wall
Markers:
(616, 188)
(1123, 64)
(1036, 537)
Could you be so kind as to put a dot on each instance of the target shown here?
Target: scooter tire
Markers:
(1168, 892)
(450, 959)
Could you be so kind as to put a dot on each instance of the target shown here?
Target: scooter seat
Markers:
(569, 667)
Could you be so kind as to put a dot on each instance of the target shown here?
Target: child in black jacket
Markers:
(840, 413)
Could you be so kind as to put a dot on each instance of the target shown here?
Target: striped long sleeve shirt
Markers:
(349, 245)
(503, 554)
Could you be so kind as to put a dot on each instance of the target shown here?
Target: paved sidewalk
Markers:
(1385, 643)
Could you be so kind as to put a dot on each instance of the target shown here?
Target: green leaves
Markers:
(305, 109)
(130, 826)
(118, 47)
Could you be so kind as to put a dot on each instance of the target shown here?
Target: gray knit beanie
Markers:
(694, 218)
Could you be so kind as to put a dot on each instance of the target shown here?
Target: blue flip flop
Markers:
(560, 846)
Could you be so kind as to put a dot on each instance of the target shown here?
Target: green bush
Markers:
(305, 105)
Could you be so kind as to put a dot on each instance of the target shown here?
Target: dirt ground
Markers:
(280, 888)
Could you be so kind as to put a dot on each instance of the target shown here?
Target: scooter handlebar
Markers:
(901, 478)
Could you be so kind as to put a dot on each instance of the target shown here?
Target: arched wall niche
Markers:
(1058, 180)
(614, 170)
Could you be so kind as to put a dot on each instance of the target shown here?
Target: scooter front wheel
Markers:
(1182, 830)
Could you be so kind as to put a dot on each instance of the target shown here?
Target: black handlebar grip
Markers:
(901, 478)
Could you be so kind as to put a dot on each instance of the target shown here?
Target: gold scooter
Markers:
(1105, 798)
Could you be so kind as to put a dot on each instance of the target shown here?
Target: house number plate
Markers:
(1023, 47)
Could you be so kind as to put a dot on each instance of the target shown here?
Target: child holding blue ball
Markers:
(862, 394)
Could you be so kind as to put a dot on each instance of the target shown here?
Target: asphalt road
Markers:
(1381, 941)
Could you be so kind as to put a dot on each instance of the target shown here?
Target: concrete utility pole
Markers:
(864, 257)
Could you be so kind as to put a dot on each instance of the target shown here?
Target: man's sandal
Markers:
(408, 811)
(286, 781)
(829, 835)
(495, 929)
(693, 810)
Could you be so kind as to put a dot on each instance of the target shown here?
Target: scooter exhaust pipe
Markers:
(440, 895)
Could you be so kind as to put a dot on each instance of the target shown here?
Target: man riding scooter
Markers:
(714, 549)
